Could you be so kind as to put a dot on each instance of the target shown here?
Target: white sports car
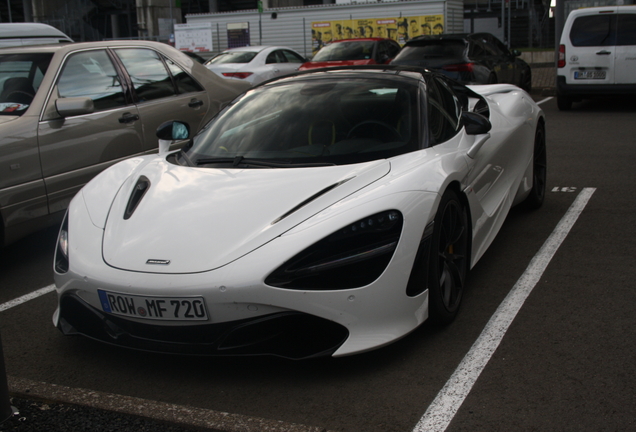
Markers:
(323, 214)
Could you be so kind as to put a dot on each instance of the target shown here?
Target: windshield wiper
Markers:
(233, 160)
(240, 160)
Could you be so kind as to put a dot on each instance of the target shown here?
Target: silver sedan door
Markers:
(164, 91)
(78, 146)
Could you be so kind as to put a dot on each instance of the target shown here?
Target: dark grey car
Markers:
(477, 58)
(68, 111)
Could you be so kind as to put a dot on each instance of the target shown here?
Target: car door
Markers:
(73, 149)
(163, 91)
(489, 175)
(278, 65)
(592, 49)
(292, 61)
(22, 190)
(625, 57)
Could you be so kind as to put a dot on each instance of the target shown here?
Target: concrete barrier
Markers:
(535, 58)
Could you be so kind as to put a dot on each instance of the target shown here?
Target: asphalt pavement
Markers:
(43, 407)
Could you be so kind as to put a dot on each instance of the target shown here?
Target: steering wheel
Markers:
(375, 129)
(19, 96)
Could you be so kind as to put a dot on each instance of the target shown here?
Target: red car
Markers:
(347, 52)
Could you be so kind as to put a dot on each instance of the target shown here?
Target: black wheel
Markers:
(564, 103)
(526, 81)
(539, 170)
(375, 129)
(449, 259)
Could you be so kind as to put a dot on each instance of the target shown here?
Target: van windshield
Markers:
(20, 78)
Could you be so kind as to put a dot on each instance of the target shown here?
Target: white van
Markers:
(17, 34)
(597, 55)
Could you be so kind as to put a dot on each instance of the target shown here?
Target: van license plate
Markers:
(154, 308)
(595, 74)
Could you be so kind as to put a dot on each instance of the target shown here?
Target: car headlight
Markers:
(61, 252)
(352, 257)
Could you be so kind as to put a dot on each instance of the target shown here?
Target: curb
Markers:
(199, 418)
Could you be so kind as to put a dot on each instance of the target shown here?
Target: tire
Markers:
(564, 103)
(449, 259)
(539, 170)
(526, 81)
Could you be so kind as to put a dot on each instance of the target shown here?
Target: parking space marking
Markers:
(442, 410)
(25, 298)
(544, 100)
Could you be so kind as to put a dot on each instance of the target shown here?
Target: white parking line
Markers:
(544, 100)
(441, 412)
(25, 298)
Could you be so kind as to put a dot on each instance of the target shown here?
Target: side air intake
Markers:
(138, 192)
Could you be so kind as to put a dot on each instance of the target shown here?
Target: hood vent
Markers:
(311, 198)
(138, 192)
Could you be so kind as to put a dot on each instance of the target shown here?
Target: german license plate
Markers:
(593, 74)
(154, 308)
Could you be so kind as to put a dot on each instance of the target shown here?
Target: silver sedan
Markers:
(68, 111)
(255, 64)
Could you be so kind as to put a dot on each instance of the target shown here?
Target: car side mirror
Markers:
(475, 124)
(72, 106)
(171, 131)
(516, 52)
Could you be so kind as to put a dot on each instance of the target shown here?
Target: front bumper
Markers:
(353, 320)
(291, 335)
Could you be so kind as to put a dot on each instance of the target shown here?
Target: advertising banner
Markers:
(193, 37)
(398, 29)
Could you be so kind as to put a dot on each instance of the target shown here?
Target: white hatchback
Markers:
(597, 54)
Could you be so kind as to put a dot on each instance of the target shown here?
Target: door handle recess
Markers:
(128, 118)
(195, 103)
(603, 52)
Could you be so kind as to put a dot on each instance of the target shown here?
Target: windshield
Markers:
(339, 51)
(20, 78)
(312, 121)
(232, 57)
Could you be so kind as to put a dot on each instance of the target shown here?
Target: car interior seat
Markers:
(17, 89)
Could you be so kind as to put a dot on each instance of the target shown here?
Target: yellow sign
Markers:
(398, 29)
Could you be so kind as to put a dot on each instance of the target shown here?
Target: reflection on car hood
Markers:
(199, 219)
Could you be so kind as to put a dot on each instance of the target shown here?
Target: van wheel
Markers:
(564, 103)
